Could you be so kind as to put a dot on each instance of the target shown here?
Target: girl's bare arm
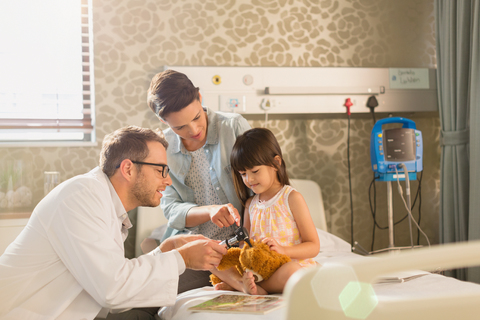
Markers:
(310, 245)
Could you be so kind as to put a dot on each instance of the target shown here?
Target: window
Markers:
(46, 77)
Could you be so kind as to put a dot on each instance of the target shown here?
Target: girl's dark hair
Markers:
(170, 91)
(255, 147)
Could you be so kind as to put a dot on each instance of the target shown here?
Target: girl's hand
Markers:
(274, 245)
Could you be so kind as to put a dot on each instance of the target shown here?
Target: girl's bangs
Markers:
(245, 158)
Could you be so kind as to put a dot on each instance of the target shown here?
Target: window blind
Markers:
(46, 83)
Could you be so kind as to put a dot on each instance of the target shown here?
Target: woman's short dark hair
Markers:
(255, 147)
(170, 91)
(127, 143)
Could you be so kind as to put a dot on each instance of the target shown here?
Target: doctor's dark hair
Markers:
(255, 147)
(127, 143)
(170, 91)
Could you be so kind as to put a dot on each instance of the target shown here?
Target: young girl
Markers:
(277, 214)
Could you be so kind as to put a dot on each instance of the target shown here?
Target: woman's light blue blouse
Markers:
(179, 198)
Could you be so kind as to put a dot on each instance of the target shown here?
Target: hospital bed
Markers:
(395, 285)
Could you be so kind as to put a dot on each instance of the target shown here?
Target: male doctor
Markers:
(68, 262)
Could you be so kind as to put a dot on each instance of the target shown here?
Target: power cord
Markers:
(373, 209)
(350, 183)
(409, 201)
(409, 211)
(266, 105)
(372, 103)
(419, 196)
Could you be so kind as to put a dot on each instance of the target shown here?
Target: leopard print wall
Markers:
(134, 39)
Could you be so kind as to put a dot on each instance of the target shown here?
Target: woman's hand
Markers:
(224, 215)
(274, 245)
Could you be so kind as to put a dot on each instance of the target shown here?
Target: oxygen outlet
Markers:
(348, 104)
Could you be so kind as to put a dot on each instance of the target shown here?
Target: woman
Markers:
(202, 196)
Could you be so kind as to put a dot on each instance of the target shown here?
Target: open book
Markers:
(403, 277)
(233, 303)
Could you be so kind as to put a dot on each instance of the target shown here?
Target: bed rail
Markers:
(343, 290)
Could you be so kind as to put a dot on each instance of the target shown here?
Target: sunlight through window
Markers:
(46, 87)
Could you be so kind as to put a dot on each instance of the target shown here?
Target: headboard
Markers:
(149, 218)
(312, 194)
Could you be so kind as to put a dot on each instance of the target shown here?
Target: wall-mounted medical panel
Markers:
(307, 90)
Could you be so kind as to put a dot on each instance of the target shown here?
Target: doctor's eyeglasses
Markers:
(165, 167)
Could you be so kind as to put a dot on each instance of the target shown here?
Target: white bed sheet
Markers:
(331, 246)
(334, 250)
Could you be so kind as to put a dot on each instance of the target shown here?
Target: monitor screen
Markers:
(399, 144)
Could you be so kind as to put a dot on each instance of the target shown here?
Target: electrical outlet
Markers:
(268, 103)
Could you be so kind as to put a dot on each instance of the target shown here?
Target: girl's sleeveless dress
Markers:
(274, 219)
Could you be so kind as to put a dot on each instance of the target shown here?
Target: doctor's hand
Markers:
(224, 215)
(179, 240)
(202, 254)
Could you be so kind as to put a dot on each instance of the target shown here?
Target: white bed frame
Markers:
(150, 218)
(350, 294)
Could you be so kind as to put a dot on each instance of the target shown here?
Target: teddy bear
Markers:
(258, 259)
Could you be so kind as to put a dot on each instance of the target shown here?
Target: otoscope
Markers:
(241, 234)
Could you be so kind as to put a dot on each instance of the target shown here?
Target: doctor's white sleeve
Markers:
(86, 234)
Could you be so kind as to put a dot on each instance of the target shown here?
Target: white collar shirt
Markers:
(69, 261)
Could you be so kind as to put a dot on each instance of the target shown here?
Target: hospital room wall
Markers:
(134, 39)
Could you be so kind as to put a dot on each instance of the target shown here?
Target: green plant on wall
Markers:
(9, 173)
(10, 176)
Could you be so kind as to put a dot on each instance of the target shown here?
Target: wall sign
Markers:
(409, 78)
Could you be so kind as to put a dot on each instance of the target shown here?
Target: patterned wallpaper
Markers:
(133, 39)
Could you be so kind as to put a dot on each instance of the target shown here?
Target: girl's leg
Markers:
(249, 285)
(224, 286)
(232, 280)
(276, 283)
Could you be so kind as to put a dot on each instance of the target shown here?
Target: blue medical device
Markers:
(391, 147)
